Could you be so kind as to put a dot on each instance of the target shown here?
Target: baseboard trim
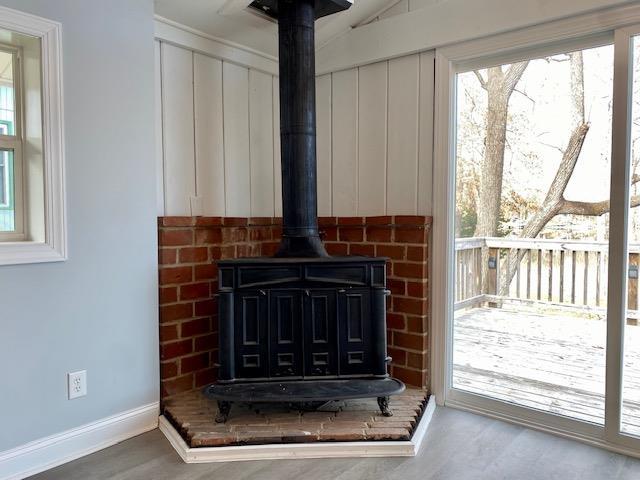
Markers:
(49, 452)
(408, 448)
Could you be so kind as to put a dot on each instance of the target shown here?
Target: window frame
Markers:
(53, 247)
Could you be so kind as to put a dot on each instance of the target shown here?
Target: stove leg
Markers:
(223, 411)
(383, 403)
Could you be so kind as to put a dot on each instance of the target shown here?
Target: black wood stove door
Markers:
(354, 306)
(251, 334)
(285, 332)
(320, 333)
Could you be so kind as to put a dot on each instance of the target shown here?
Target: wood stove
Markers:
(302, 326)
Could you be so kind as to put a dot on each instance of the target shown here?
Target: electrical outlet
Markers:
(77, 384)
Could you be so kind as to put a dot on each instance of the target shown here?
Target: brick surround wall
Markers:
(189, 247)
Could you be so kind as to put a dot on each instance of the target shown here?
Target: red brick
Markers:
(410, 235)
(172, 238)
(227, 252)
(206, 308)
(395, 321)
(394, 252)
(206, 272)
(417, 289)
(409, 305)
(208, 221)
(276, 232)
(417, 254)
(167, 256)
(327, 221)
(350, 221)
(196, 290)
(260, 221)
(410, 341)
(177, 385)
(410, 377)
(194, 362)
(206, 342)
(168, 333)
(351, 234)
(234, 234)
(168, 295)
(179, 311)
(397, 287)
(337, 248)
(195, 327)
(416, 360)
(168, 370)
(363, 249)
(329, 234)
(194, 254)
(409, 270)
(259, 234)
(379, 234)
(205, 377)
(176, 221)
(381, 220)
(206, 236)
(417, 324)
(214, 253)
(234, 221)
(381, 433)
(270, 248)
(411, 220)
(248, 250)
(175, 275)
(398, 357)
(175, 349)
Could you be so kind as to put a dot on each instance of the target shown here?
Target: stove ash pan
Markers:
(302, 328)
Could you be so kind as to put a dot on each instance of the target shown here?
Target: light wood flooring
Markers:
(458, 446)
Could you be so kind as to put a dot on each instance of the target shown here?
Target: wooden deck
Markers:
(552, 361)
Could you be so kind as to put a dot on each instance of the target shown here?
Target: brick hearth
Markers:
(189, 246)
(353, 420)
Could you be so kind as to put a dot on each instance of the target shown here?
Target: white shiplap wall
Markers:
(219, 142)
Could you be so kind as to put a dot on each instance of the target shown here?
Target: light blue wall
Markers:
(98, 310)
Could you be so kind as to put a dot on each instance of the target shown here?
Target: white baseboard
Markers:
(40, 455)
(408, 448)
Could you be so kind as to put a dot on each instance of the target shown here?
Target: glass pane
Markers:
(7, 94)
(7, 200)
(532, 183)
(631, 371)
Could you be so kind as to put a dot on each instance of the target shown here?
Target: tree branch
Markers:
(591, 209)
(514, 74)
(483, 82)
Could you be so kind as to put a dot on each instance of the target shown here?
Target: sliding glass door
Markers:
(541, 244)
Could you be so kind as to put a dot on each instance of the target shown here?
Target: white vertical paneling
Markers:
(344, 126)
(402, 166)
(177, 119)
(277, 172)
(372, 138)
(209, 130)
(401, 7)
(158, 127)
(261, 138)
(323, 126)
(425, 146)
(236, 140)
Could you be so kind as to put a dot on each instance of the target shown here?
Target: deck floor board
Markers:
(551, 361)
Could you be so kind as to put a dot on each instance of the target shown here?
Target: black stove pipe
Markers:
(300, 236)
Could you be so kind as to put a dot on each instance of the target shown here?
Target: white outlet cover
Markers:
(77, 384)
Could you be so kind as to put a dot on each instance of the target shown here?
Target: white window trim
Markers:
(54, 247)
(449, 60)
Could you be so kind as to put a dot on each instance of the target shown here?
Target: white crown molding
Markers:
(54, 248)
(444, 24)
(183, 36)
(290, 451)
(49, 452)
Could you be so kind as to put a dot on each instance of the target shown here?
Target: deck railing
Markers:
(568, 273)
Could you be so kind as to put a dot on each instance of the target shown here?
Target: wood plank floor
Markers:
(458, 446)
(553, 361)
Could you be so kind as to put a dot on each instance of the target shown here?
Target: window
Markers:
(32, 214)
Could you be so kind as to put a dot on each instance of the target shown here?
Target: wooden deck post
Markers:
(632, 287)
(493, 269)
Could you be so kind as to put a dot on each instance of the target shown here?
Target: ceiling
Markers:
(229, 19)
